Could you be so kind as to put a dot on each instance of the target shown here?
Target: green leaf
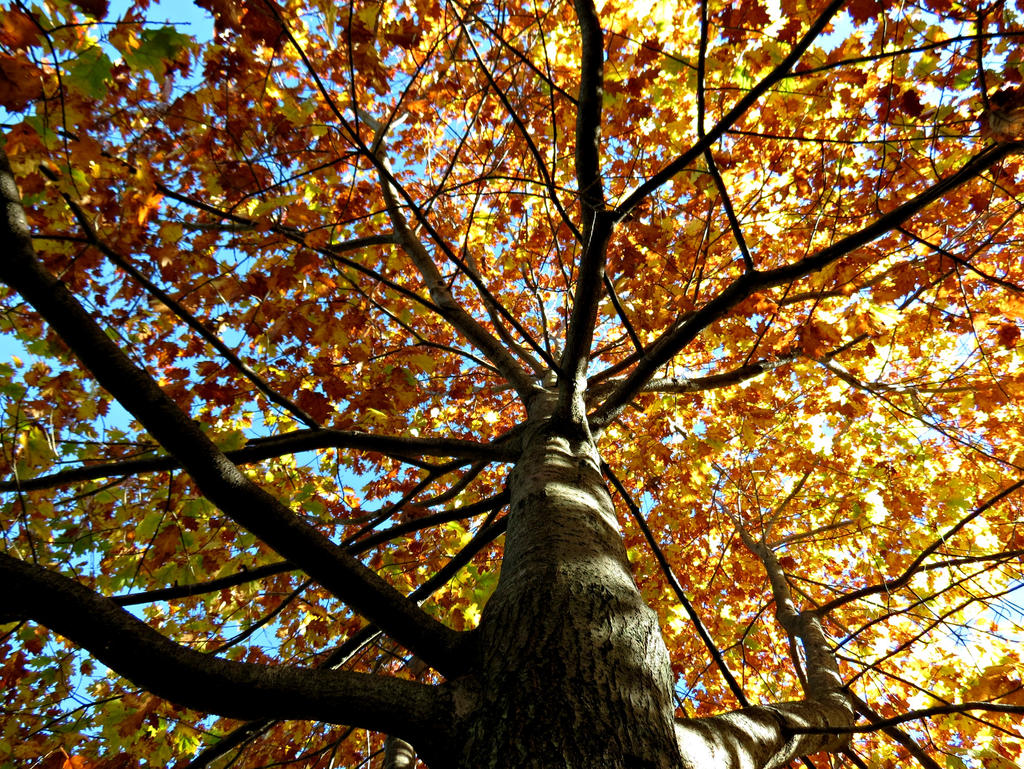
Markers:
(156, 48)
(89, 74)
(148, 527)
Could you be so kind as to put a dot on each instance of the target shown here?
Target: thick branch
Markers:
(340, 656)
(208, 683)
(823, 682)
(588, 113)
(674, 340)
(216, 476)
(580, 335)
(597, 226)
(761, 737)
(260, 449)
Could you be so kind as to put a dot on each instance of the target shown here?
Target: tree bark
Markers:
(572, 670)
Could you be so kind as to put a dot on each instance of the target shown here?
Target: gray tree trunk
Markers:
(573, 671)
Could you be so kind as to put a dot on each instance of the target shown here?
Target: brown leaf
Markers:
(1009, 335)
(95, 8)
(18, 30)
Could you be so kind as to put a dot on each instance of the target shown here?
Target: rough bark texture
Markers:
(573, 671)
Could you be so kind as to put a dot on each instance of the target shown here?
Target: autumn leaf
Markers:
(95, 8)
(19, 82)
(1009, 335)
(428, 379)
(18, 30)
(864, 10)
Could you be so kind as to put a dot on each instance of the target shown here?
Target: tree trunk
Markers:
(572, 670)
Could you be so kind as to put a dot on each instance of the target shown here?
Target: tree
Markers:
(512, 385)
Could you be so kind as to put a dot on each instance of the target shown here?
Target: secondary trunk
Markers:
(571, 668)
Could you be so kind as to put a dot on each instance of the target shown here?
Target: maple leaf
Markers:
(862, 11)
(1004, 120)
(95, 8)
(18, 30)
(19, 82)
(1009, 335)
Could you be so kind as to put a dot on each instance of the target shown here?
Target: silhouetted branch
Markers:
(214, 474)
(673, 582)
(260, 449)
(208, 683)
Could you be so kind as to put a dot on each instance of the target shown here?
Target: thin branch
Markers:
(903, 579)
(545, 77)
(732, 116)
(709, 157)
(355, 546)
(876, 57)
(442, 297)
(180, 312)
(965, 263)
(525, 134)
(209, 586)
(666, 570)
(260, 449)
(638, 346)
(914, 715)
(674, 340)
(896, 734)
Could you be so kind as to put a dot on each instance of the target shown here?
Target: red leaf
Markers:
(864, 10)
(1009, 335)
(95, 8)
(19, 82)
(18, 30)
(910, 103)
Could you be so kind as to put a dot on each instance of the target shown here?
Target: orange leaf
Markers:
(18, 30)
